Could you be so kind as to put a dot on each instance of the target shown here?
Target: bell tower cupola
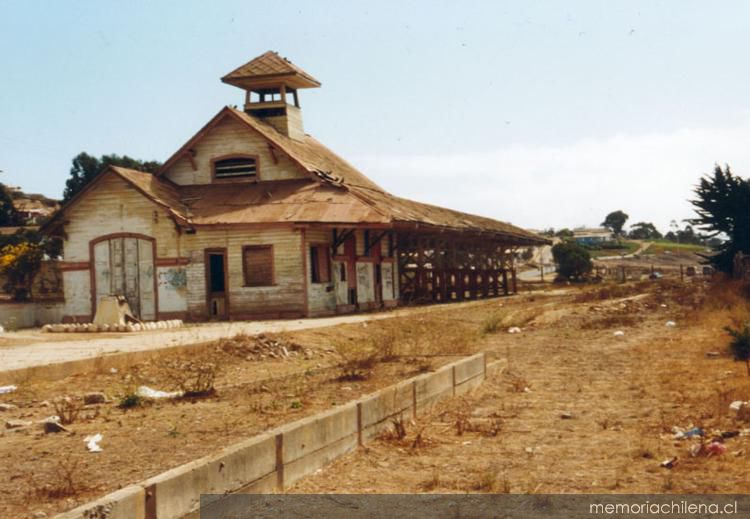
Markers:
(271, 84)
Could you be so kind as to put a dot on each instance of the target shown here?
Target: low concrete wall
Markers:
(14, 316)
(276, 459)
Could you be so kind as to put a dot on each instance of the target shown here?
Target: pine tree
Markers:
(723, 207)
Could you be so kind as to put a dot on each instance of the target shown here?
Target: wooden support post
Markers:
(515, 281)
(506, 289)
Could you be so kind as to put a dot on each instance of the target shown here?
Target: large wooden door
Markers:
(124, 266)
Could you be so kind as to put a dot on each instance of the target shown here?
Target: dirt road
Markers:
(32, 348)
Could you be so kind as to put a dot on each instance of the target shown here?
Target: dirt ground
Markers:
(259, 383)
(578, 409)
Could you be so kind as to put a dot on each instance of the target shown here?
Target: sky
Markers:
(544, 114)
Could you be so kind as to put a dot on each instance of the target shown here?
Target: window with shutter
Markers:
(242, 167)
(257, 265)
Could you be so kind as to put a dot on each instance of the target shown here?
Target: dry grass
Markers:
(402, 340)
(61, 481)
(194, 377)
(67, 409)
(625, 395)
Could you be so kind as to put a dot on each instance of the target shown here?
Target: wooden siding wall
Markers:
(284, 299)
(113, 206)
(289, 124)
(227, 137)
(321, 297)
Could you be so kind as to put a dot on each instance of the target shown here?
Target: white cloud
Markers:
(649, 176)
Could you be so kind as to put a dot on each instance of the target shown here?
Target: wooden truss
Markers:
(442, 268)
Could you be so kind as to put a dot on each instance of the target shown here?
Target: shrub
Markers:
(195, 378)
(358, 360)
(130, 400)
(739, 345)
(492, 324)
(19, 263)
(573, 261)
(67, 409)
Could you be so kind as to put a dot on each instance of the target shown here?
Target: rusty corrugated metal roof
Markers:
(310, 202)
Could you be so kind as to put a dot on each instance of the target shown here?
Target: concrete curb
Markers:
(274, 460)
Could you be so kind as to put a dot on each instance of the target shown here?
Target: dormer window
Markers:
(236, 167)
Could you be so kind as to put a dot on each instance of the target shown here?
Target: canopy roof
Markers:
(268, 70)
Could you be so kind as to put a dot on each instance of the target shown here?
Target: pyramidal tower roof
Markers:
(270, 69)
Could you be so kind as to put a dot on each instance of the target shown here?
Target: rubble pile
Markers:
(262, 347)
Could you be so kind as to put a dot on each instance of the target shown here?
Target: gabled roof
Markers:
(267, 68)
(159, 191)
(341, 193)
(310, 155)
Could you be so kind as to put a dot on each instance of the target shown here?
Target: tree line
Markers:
(722, 206)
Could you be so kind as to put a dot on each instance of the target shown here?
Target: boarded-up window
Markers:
(320, 264)
(236, 167)
(257, 265)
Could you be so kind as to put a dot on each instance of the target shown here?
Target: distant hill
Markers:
(33, 207)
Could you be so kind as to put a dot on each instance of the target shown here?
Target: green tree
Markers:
(564, 233)
(644, 231)
(615, 221)
(9, 217)
(573, 261)
(86, 168)
(721, 203)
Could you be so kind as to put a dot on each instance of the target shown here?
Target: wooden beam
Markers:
(272, 151)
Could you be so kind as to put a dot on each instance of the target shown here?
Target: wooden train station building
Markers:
(253, 218)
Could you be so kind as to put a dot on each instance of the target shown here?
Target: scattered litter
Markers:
(7, 407)
(716, 448)
(712, 354)
(113, 370)
(619, 333)
(739, 452)
(53, 426)
(736, 405)
(671, 324)
(7, 389)
(566, 416)
(527, 390)
(466, 443)
(670, 463)
(514, 329)
(679, 434)
(155, 394)
(729, 434)
(96, 397)
(92, 442)
(16, 424)
(696, 449)
(663, 305)
(529, 450)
